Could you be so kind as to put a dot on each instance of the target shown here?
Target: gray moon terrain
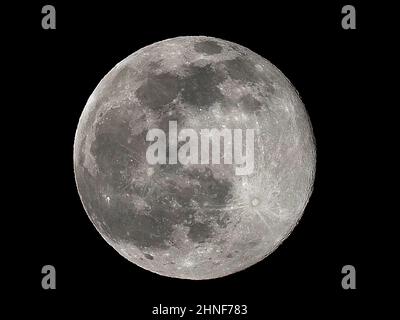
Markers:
(194, 221)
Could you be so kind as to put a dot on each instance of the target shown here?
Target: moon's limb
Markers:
(193, 221)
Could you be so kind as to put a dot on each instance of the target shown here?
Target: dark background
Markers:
(326, 64)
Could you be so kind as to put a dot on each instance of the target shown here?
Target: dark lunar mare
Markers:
(117, 159)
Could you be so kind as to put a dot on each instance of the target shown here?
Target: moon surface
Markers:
(194, 221)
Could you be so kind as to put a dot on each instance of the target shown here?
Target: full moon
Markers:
(194, 219)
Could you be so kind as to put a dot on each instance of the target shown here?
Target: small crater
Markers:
(148, 256)
(255, 202)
